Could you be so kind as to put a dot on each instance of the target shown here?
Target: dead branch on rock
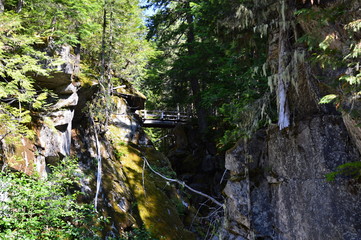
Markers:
(183, 184)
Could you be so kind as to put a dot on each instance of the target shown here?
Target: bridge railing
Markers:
(164, 115)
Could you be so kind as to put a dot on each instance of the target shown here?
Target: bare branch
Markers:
(183, 184)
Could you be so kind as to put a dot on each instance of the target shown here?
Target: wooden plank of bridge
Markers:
(161, 118)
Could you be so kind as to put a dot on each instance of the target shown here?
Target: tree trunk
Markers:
(102, 54)
(194, 82)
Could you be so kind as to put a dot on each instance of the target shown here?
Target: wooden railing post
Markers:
(165, 117)
(178, 113)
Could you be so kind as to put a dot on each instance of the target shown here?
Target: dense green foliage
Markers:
(203, 68)
(110, 35)
(17, 93)
(217, 57)
(212, 58)
(120, 55)
(109, 39)
(32, 208)
(334, 52)
(137, 234)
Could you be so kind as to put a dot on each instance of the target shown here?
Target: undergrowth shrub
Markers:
(33, 208)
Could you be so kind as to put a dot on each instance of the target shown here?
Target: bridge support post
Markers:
(178, 112)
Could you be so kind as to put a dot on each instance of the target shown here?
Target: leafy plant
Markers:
(202, 68)
(33, 208)
(328, 98)
(18, 60)
(351, 170)
(331, 50)
(137, 234)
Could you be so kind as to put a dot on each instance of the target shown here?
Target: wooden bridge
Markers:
(163, 119)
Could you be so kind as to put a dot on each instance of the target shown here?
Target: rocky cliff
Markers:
(277, 187)
(128, 194)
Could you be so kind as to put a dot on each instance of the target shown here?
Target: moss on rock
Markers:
(156, 208)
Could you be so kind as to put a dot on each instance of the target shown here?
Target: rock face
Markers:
(55, 134)
(53, 131)
(129, 195)
(278, 189)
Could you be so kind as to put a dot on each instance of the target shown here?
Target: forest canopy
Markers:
(212, 58)
(108, 35)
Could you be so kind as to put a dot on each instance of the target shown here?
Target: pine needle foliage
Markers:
(18, 96)
(215, 56)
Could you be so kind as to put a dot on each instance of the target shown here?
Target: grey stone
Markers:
(56, 139)
(66, 89)
(63, 73)
(1, 6)
(353, 130)
(287, 193)
(66, 101)
(61, 117)
(235, 160)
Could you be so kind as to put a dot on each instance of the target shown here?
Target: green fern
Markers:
(349, 170)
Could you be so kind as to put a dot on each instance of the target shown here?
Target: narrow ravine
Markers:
(199, 120)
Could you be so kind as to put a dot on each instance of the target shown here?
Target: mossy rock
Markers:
(156, 210)
(118, 194)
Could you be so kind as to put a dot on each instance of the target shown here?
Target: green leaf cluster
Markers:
(116, 53)
(137, 234)
(339, 49)
(18, 61)
(110, 36)
(225, 67)
(349, 170)
(33, 208)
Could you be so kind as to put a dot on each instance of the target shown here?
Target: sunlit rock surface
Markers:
(53, 129)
